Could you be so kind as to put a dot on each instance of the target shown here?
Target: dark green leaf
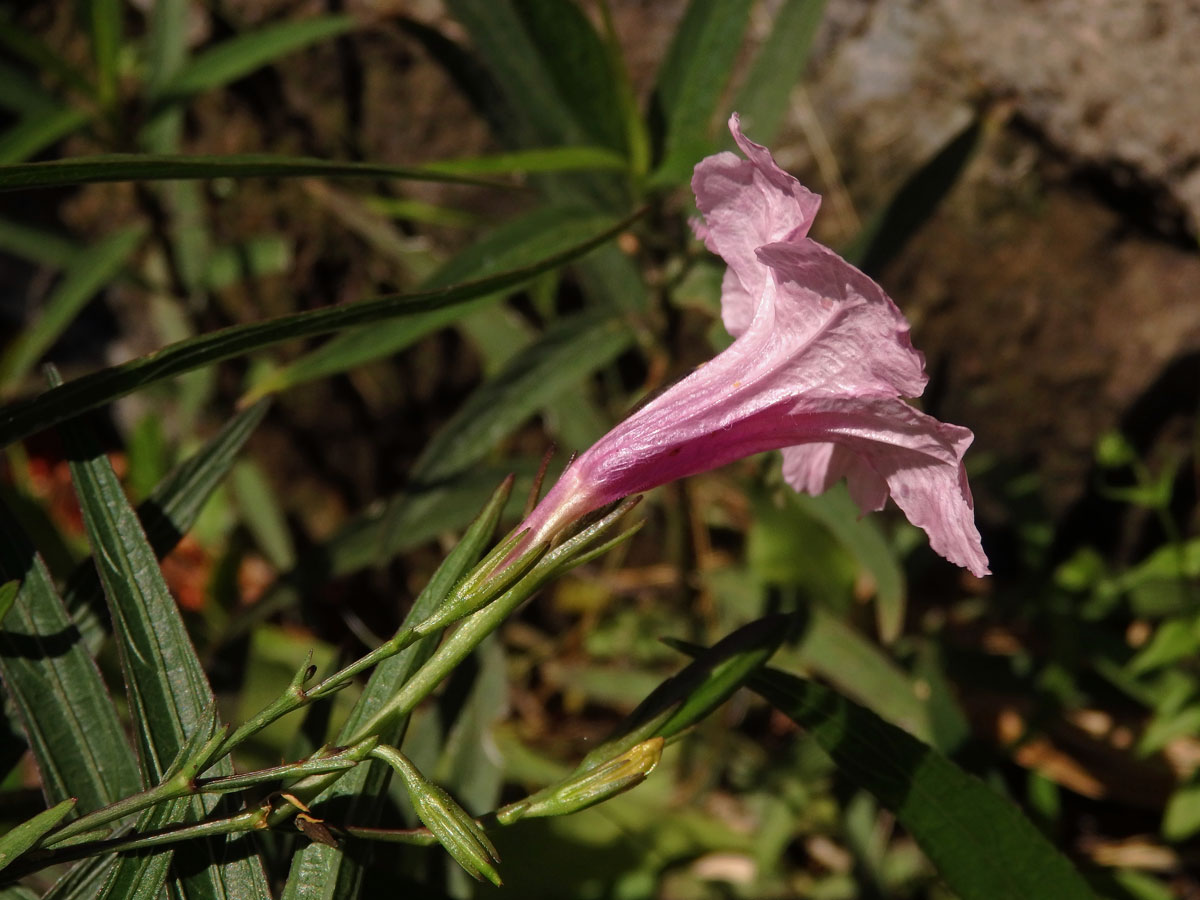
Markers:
(914, 203)
(105, 18)
(982, 845)
(528, 162)
(64, 708)
(38, 245)
(567, 353)
(166, 515)
(150, 167)
(517, 243)
(87, 274)
(691, 81)
(706, 683)
(8, 596)
(577, 63)
(35, 133)
(322, 873)
(20, 419)
(169, 695)
(239, 56)
(765, 95)
(25, 835)
(500, 37)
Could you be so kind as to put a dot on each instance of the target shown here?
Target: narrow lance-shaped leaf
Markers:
(519, 242)
(764, 97)
(37, 131)
(170, 698)
(569, 351)
(982, 845)
(322, 872)
(105, 16)
(20, 419)
(240, 55)
(691, 80)
(64, 708)
(90, 271)
(25, 835)
(151, 167)
(166, 515)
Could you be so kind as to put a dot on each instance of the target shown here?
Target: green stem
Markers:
(182, 786)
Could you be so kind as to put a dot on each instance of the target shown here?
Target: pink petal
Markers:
(747, 203)
(883, 446)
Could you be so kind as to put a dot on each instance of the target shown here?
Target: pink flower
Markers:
(820, 363)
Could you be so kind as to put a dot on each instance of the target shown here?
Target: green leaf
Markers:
(239, 56)
(981, 843)
(157, 167)
(706, 683)
(166, 515)
(568, 352)
(38, 245)
(262, 514)
(35, 133)
(169, 695)
(861, 536)
(8, 596)
(530, 162)
(90, 271)
(25, 835)
(63, 706)
(322, 872)
(888, 232)
(691, 81)
(106, 23)
(765, 95)
(577, 63)
(1181, 818)
(517, 243)
(498, 34)
(22, 418)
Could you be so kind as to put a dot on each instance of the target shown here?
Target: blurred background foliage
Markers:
(1050, 278)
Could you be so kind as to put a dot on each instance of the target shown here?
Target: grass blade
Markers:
(23, 418)
(982, 845)
(158, 167)
(65, 710)
(170, 698)
(90, 271)
(691, 81)
(239, 56)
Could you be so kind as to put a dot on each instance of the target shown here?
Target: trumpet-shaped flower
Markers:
(821, 360)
